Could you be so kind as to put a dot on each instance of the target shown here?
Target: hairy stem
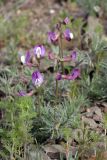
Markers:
(56, 90)
(12, 149)
(25, 147)
(61, 51)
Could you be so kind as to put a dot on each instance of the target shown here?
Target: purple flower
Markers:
(58, 76)
(66, 20)
(39, 51)
(22, 93)
(73, 55)
(75, 73)
(52, 37)
(68, 35)
(26, 58)
(37, 78)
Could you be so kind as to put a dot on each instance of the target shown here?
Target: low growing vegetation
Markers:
(53, 93)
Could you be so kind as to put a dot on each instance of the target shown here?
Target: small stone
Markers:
(52, 11)
(90, 122)
(38, 154)
(105, 110)
(18, 12)
(96, 110)
(104, 104)
(53, 151)
(82, 110)
(97, 118)
(89, 114)
(100, 145)
(59, 148)
(101, 106)
(99, 130)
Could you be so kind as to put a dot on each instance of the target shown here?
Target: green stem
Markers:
(12, 150)
(56, 90)
(67, 150)
(61, 56)
(25, 151)
(61, 51)
(38, 63)
(105, 140)
(39, 102)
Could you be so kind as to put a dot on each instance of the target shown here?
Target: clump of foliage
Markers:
(91, 6)
(16, 124)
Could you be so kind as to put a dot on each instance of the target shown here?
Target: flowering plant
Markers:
(39, 53)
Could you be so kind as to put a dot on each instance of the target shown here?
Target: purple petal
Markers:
(74, 55)
(66, 20)
(68, 35)
(52, 37)
(42, 51)
(37, 78)
(75, 73)
(22, 93)
(39, 51)
(58, 76)
(28, 56)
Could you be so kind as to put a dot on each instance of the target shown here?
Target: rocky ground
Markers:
(92, 117)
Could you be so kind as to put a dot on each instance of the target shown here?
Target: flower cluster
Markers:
(53, 36)
(39, 52)
(68, 35)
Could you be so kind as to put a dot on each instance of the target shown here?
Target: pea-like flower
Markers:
(68, 35)
(74, 74)
(66, 20)
(22, 93)
(52, 37)
(37, 78)
(58, 76)
(39, 51)
(73, 55)
(25, 59)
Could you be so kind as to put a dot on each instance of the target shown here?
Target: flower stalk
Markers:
(61, 51)
(56, 90)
